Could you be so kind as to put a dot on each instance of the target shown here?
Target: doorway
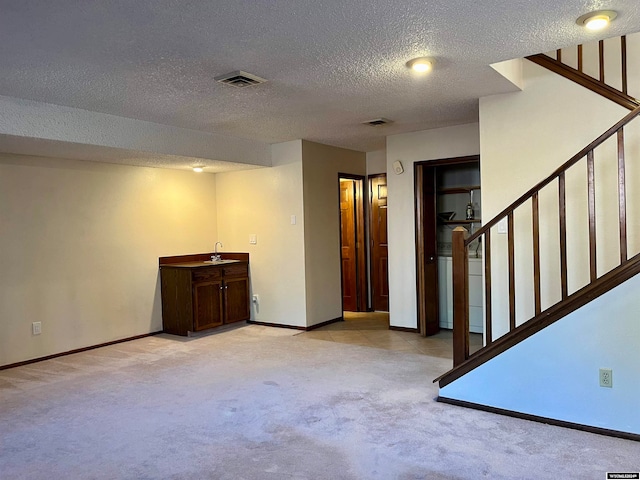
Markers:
(438, 184)
(352, 243)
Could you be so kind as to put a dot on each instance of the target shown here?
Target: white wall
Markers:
(261, 202)
(409, 148)
(525, 136)
(80, 248)
(321, 166)
(554, 374)
(377, 162)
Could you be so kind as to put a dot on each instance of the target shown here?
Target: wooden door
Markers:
(378, 238)
(236, 297)
(427, 250)
(348, 245)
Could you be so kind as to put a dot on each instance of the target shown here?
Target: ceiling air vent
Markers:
(378, 121)
(240, 79)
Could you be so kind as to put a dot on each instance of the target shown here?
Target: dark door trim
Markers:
(425, 209)
(361, 241)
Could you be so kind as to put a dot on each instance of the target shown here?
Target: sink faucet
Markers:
(216, 256)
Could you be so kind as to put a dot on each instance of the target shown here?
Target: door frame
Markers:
(370, 243)
(421, 207)
(361, 241)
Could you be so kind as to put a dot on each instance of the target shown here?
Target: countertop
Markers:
(200, 264)
(200, 260)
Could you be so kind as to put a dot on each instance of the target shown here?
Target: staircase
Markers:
(601, 279)
(614, 85)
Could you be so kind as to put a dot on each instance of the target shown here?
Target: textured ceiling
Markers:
(330, 64)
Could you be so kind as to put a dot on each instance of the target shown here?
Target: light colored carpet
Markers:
(261, 403)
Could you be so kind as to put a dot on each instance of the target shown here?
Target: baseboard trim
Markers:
(77, 350)
(278, 325)
(548, 421)
(324, 324)
(294, 327)
(403, 329)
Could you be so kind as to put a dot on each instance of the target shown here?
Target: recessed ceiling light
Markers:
(597, 20)
(198, 169)
(421, 64)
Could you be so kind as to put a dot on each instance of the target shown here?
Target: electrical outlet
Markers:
(606, 377)
(36, 328)
(255, 298)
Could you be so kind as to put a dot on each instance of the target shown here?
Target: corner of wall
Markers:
(409, 148)
(321, 166)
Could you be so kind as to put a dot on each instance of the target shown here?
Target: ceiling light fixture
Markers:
(597, 20)
(198, 169)
(421, 64)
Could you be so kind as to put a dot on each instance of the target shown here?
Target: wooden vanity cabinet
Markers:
(197, 296)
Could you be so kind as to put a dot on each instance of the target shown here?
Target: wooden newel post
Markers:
(460, 296)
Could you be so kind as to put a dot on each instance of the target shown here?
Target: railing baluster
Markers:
(487, 286)
(563, 235)
(622, 198)
(512, 272)
(536, 252)
(460, 295)
(580, 58)
(623, 53)
(601, 59)
(593, 267)
(461, 241)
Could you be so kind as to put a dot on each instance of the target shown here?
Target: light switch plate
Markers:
(502, 226)
(293, 219)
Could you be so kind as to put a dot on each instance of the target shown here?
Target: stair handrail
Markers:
(556, 173)
(618, 93)
(461, 241)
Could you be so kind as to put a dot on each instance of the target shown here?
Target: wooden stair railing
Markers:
(597, 285)
(598, 85)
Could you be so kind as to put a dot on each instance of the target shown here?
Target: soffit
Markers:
(330, 65)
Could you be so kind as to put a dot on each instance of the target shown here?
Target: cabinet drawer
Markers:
(237, 270)
(207, 274)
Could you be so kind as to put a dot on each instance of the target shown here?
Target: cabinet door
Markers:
(236, 291)
(207, 304)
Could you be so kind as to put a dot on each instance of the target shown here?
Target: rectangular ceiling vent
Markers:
(240, 79)
(378, 121)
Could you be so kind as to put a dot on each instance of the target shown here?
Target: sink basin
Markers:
(219, 262)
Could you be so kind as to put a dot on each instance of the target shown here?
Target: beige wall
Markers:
(321, 166)
(80, 248)
(410, 148)
(377, 162)
(261, 202)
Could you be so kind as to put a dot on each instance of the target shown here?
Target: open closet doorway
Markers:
(447, 195)
(352, 243)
